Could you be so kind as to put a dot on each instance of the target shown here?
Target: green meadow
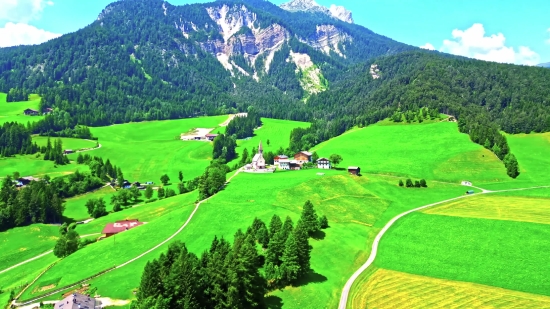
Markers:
(432, 151)
(75, 208)
(22, 243)
(35, 165)
(68, 143)
(507, 254)
(13, 111)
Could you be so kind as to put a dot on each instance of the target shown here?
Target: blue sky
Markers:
(503, 31)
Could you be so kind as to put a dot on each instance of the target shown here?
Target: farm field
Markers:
(499, 253)
(31, 165)
(22, 243)
(432, 151)
(68, 143)
(392, 289)
(498, 207)
(13, 111)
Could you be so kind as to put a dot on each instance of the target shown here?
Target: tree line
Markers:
(229, 275)
(243, 127)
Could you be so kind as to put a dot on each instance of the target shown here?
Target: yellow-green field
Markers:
(498, 207)
(13, 111)
(68, 143)
(392, 289)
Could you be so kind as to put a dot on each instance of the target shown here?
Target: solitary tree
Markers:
(165, 179)
(268, 142)
(423, 183)
(335, 159)
(67, 244)
(512, 167)
(180, 176)
(149, 192)
(323, 222)
(401, 183)
(409, 183)
(160, 193)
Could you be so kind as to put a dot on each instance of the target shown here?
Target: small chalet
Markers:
(210, 137)
(303, 157)
(23, 181)
(120, 226)
(68, 151)
(323, 163)
(77, 301)
(294, 165)
(466, 183)
(354, 170)
(31, 112)
(278, 158)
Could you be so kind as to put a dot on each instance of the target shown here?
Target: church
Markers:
(258, 162)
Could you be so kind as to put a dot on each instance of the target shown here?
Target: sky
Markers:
(507, 31)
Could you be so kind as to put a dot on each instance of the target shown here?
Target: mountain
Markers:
(338, 12)
(544, 65)
(147, 59)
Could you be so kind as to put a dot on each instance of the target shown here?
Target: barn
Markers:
(120, 226)
(354, 170)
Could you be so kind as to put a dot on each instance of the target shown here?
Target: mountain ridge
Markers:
(338, 12)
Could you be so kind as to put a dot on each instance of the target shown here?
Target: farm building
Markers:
(211, 137)
(120, 226)
(303, 157)
(295, 165)
(354, 170)
(284, 164)
(466, 183)
(323, 163)
(68, 151)
(76, 300)
(31, 112)
(278, 158)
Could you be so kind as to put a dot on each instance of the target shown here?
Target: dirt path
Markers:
(27, 261)
(90, 149)
(347, 288)
(150, 250)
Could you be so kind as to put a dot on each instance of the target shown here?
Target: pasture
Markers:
(432, 151)
(506, 254)
(75, 207)
(13, 111)
(68, 143)
(35, 165)
(392, 289)
(22, 243)
(116, 249)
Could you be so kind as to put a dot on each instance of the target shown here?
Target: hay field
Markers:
(13, 111)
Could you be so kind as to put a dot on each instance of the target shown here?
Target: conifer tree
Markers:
(309, 218)
(149, 192)
(275, 225)
(287, 228)
(275, 249)
(303, 247)
(323, 222)
(160, 193)
(262, 236)
(290, 260)
(151, 283)
(119, 178)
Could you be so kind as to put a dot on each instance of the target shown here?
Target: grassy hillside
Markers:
(75, 208)
(68, 143)
(22, 243)
(506, 254)
(431, 151)
(13, 111)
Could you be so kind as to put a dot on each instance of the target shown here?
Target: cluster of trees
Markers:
(37, 202)
(213, 179)
(17, 95)
(228, 275)
(411, 115)
(75, 184)
(243, 127)
(102, 169)
(417, 183)
(124, 196)
(55, 153)
(224, 148)
(96, 207)
(68, 242)
(82, 132)
(15, 138)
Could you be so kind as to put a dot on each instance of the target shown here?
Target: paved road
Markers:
(374, 251)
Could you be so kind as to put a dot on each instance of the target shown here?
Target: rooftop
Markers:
(120, 226)
(75, 301)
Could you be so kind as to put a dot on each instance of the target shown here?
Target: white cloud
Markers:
(22, 34)
(22, 11)
(428, 46)
(473, 43)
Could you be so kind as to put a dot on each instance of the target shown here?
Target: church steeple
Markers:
(260, 148)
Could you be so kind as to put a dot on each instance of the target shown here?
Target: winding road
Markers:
(347, 288)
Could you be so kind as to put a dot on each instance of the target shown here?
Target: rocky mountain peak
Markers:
(338, 12)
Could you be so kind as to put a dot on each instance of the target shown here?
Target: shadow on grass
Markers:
(319, 235)
(311, 277)
(274, 302)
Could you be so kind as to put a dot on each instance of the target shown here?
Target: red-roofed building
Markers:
(120, 226)
(211, 137)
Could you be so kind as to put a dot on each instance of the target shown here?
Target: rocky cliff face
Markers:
(338, 12)
(329, 39)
